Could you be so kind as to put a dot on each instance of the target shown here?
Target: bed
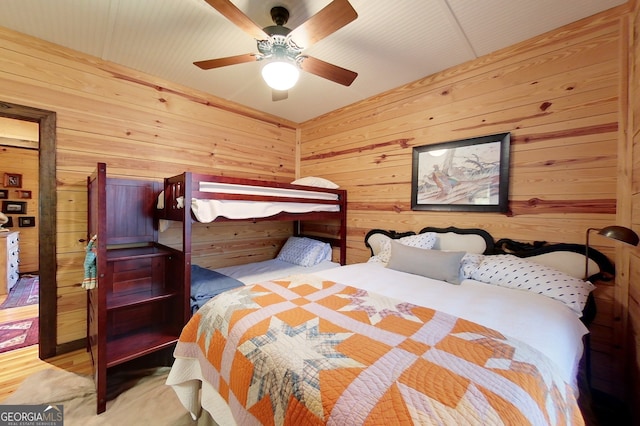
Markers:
(433, 329)
(297, 256)
(192, 197)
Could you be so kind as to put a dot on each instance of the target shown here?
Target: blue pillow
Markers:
(206, 284)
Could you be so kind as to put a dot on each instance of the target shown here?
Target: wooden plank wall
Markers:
(558, 95)
(142, 127)
(633, 342)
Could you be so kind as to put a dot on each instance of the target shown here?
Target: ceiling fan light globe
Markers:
(280, 75)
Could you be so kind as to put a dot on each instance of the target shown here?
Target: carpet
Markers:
(18, 334)
(146, 399)
(25, 292)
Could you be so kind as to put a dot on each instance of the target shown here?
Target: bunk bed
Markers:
(427, 333)
(193, 197)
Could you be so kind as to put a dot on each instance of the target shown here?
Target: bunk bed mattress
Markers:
(207, 210)
(311, 350)
(233, 188)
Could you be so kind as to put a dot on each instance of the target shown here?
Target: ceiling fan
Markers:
(282, 47)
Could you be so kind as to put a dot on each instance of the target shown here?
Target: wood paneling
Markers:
(558, 95)
(142, 127)
(633, 206)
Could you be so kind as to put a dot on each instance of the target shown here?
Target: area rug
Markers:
(147, 401)
(18, 334)
(25, 292)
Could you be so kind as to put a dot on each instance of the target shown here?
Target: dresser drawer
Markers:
(12, 239)
(9, 260)
(13, 254)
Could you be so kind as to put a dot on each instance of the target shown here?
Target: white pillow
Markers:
(436, 264)
(315, 181)
(304, 251)
(507, 270)
(424, 241)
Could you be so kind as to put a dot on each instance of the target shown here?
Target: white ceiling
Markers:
(390, 43)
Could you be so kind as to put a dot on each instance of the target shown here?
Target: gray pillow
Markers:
(436, 264)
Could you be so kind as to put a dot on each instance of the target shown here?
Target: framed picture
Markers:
(26, 221)
(12, 180)
(470, 175)
(24, 194)
(4, 194)
(14, 207)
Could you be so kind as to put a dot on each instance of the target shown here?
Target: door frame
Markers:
(47, 206)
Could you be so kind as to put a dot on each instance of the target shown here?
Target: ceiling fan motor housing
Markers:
(280, 15)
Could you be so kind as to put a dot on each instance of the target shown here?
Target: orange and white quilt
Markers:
(308, 351)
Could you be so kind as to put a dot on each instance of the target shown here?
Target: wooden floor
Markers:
(20, 363)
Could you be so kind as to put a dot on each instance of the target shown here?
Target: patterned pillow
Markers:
(507, 270)
(423, 241)
(469, 264)
(303, 251)
(325, 253)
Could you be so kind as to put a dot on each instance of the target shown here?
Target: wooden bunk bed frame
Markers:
(139, 304)
(187, 185)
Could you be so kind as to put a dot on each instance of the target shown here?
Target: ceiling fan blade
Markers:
(279, 95)
(223, 62)
(235, 15)
(329, 71)
(329, 20)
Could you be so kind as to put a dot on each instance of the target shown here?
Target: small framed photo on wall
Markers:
(4, 194)
(14, 207)
(24, 194)
(26, 221)
(12, 180)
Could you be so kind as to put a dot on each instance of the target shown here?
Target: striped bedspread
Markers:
(307, 351)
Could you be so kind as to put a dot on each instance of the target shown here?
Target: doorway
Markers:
(19, 280)
(47, 220)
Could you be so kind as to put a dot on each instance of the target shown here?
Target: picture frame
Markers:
(24, 194)
(26, 221)
(12, 180)
(14, 207)
(4, 194)
(466, 175)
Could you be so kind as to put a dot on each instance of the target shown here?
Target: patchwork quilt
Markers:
(303, 350)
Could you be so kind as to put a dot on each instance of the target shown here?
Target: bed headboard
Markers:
(568, 258)
(471, 240)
